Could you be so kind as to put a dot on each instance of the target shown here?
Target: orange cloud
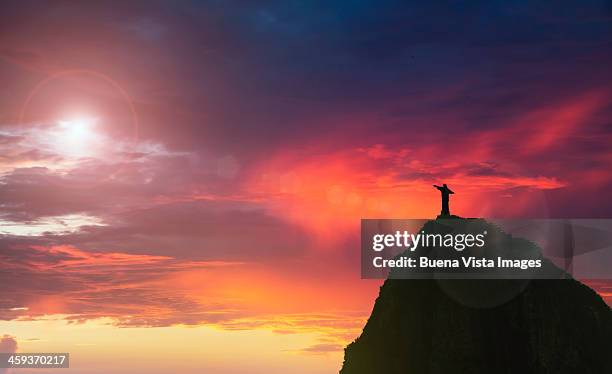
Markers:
(73, 258)
(142, 291)
(330, 193)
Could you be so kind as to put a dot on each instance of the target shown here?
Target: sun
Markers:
(76, 137)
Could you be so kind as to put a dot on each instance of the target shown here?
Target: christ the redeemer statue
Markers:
(445, 192)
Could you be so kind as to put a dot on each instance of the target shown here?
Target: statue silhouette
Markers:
(445, 192)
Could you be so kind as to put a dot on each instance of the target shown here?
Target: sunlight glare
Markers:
(76, 137)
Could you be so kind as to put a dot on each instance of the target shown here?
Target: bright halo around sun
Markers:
(76, 137)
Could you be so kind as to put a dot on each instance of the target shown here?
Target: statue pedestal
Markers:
(448, 216)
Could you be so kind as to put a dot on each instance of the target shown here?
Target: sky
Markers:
(181, 183)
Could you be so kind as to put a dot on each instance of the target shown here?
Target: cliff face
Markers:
(484, 326)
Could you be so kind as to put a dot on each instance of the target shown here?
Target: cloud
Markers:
(8, 344)
(323, 192)
(322, 348)
(132, 290)
(85, 285)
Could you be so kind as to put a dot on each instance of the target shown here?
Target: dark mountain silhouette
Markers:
(484, 325)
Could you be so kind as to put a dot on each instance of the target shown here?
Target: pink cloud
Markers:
(8, 344)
